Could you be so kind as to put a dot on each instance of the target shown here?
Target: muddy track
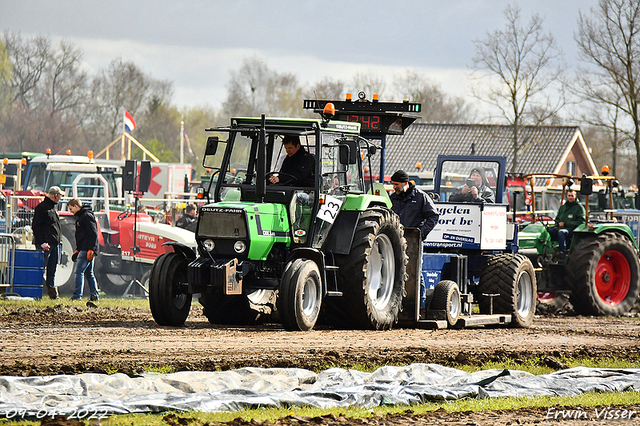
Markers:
(71, 339)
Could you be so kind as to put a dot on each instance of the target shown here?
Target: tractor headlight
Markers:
(239, 246)
(208, 245)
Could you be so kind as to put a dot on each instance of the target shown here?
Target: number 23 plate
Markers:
(330, 209)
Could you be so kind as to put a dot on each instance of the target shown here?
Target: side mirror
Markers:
(586, 185)
(348, 152)
(212, 146)
(638, 201)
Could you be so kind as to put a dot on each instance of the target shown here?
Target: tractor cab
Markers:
(245, 161)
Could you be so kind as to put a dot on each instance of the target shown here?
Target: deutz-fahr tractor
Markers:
(282, 251)
(600, 270)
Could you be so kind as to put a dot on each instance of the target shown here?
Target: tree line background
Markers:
(47, 100)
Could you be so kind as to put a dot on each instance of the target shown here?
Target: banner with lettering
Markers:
(472, 226)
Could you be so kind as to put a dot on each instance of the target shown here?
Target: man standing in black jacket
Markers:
(86, 246)
(416, 210)
(188, 220)
(298, 167)
(46, 235)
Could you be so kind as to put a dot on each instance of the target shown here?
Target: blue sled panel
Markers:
(434, 266)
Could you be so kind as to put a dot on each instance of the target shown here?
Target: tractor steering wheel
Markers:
(291, 178)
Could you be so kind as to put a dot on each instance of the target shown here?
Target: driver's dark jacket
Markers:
(416, 209)
(302, 166)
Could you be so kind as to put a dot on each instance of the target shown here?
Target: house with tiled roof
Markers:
(544, 149)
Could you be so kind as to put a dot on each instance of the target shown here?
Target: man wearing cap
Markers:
(416, 210)
(414, 206)
(46, 235)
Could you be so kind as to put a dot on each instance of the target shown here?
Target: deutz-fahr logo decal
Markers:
(222, 210)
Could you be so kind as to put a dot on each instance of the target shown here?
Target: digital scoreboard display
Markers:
(367, 122)
(375, 123)
(375, 118)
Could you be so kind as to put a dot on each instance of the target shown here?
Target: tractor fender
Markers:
(183, 249)
(581, 231)
(312, 254)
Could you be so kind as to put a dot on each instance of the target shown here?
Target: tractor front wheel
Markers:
(169, 304)
(603, 274)
(300, 295)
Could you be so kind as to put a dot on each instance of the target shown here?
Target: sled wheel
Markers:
(169, 305)
(373, 274)
(512, 278)
(446, 297)
(603, 273)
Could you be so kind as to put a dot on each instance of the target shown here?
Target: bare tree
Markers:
(606, 120)
(327, 88)
(29, 59)
(369, 83)
(516, 69)
(437, 106)
(609, 43)
(65, 83)
(121, 86)
(255, 89)
(5, 75)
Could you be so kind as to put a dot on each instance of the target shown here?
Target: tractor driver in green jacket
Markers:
(570, 215)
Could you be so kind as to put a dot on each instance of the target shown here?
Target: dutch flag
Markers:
(129, 122)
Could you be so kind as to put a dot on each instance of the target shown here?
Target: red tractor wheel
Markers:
(603, 272)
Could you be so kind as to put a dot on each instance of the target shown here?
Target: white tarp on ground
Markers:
(260, 387)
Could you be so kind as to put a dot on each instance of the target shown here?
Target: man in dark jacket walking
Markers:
(86, 246)
(46, 236)
(416, 210)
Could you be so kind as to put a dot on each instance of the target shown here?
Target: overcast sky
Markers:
(195, 44)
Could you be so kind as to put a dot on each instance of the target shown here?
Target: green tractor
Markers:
(289, 252)
(600, 271)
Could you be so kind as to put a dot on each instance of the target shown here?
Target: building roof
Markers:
(544, 149)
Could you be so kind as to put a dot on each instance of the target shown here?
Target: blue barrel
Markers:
(28, 273)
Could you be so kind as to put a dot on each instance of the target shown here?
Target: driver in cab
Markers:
(476, 189)
(298, 167)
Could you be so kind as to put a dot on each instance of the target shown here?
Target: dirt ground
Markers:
(72, 339)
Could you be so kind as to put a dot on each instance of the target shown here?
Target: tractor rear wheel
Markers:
(446, 297)
(603, 273)
(511, 277)
(300, 295)
(373, 275)
(169, 305)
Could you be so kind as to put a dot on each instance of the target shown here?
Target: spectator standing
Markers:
(416, 210)
(86, 246)
(46, 236)
(188, 219)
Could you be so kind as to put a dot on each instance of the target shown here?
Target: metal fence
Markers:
(7, 261)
